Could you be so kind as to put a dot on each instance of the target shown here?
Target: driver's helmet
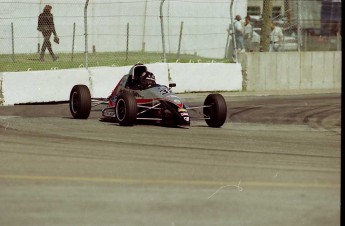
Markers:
(147, 79)
(136, 71)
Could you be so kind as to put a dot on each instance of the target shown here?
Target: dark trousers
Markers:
(46, 44)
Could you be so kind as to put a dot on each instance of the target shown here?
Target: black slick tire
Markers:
(126, 109)
(217, 111)
(80, 102)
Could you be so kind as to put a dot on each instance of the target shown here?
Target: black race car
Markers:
(137, 97)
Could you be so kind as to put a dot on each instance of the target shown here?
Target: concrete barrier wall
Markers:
(55, 85)
(40, 86)
(293, 70)
(266, 71)
(206, 77)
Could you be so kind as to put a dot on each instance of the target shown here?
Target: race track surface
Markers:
(276, 161)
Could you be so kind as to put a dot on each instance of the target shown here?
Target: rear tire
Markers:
(126, 109)
(80, 102)
(217, 112)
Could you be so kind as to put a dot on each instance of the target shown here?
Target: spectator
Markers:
(239, 33)
(248, 34)
(47, 27)
(276, 38)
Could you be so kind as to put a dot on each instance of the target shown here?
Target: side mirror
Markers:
(171, 85)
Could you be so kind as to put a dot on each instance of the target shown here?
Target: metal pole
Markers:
(127, 44)
(227, 45)
(85, 27)
(338, 41)
(144, 28)
(305, 35)
(233, 29)
(12, 31)
(179, 41)
(40, 9)
(73, 40)
(162, 30)
(298, 25)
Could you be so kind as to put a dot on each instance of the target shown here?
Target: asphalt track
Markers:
(276, 161)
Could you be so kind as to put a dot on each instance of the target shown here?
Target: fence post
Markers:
(12, 31)
(298, 25)
(127, 42)
(162, 30)
(338, 41)
(73, 41)
(85, 27)
(179, 41)
(233, 30)
(144, 28)
(306, 37)
(228, 45)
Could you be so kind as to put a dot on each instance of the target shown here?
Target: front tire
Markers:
(216, 112)
(80, 102)
(126, 109)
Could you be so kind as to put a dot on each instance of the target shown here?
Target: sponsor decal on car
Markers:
(172, 96)
(164, 90)
(177, 101)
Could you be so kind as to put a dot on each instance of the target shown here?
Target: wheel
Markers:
(80, 102)
(126, 109)
(168, 119)
(217, 111)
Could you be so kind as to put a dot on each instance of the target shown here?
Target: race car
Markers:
(137, 97)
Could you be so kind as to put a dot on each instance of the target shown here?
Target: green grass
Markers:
(25, 62)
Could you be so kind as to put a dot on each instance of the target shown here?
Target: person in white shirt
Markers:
(276, 38)
(248, 34)
(238, 33)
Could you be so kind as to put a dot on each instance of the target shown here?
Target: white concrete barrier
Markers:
(206, 77)
(266, 71)
(294, 71)
(104, 79)
(55, 85)
(41, 86)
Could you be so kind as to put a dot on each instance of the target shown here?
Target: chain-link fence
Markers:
(316, 24)
(118, 32)
(123, 32)
(308, 25)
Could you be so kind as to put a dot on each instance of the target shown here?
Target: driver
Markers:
(147, 79)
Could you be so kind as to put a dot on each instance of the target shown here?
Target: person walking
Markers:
(47, 27)
(248, 34)
(276, 38)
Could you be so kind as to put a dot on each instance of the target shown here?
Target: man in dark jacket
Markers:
(47, 27)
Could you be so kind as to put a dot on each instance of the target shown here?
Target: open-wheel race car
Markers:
(137, 97)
